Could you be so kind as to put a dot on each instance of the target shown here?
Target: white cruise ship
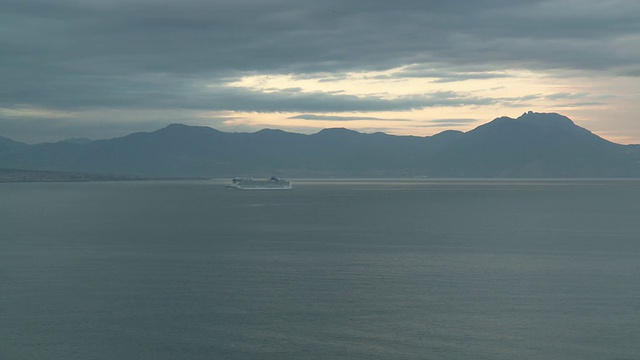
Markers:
(274, 183)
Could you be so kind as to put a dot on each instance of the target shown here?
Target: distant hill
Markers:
(13, 175)
(536, 145)
(80, 141)
(8, 145)
(533, 145)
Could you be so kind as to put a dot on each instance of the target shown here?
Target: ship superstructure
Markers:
(273, 183)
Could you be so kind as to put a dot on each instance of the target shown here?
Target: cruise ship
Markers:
(274, 183)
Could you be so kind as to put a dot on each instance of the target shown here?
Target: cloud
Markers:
(248, 100)
(452, 121)
(566, 96)
(171, 92)
(442, 74)
(340, 118)
(444, 123)
(69, 55)
(285, 36)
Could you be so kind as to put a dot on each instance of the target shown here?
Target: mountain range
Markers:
(535, 145)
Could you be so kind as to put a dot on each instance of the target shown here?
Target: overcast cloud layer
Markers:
(68, 56)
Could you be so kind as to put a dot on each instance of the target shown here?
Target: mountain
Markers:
(533, 145)
(80, 141)
(13, 175)
(536, 145)
(8, 145)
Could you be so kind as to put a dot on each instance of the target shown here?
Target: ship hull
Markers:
(252, 184)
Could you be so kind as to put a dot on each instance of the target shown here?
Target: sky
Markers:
(106, 68)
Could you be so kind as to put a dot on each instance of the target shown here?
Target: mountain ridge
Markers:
(532, 145)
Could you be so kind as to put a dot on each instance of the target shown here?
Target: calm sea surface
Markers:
(386, 269)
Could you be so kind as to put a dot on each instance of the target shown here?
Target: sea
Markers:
(333, 269)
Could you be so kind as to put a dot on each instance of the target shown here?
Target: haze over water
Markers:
(353, 269)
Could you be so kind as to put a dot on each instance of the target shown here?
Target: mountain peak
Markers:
(270, 131)
(337, 131)
(176, 126)
(546, 119)
(77, 141)
(187, 128)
